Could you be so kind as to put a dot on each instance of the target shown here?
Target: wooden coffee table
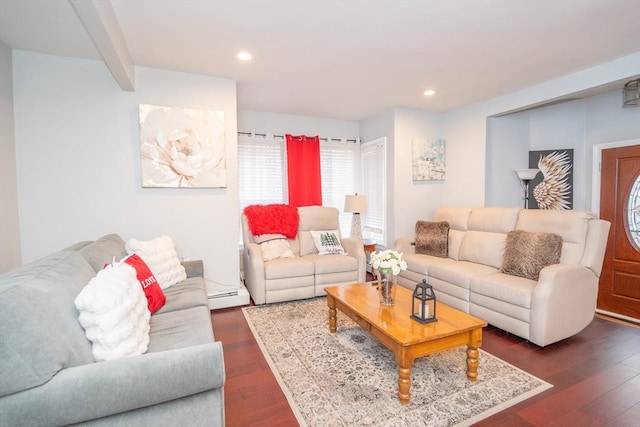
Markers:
(405, 337)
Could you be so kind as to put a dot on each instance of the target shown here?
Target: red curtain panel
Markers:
(303, 164)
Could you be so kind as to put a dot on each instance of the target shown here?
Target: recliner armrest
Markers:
(405, 245)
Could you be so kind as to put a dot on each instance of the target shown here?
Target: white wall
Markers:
(562, 126)
(413, 200)
(10, 252)
(78, 160)
(466, 128)
(507, 149)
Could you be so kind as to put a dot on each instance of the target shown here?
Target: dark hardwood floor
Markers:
(595, 377)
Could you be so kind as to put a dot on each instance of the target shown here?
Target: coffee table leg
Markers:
(405, 362)
(472, 363)
(404, 384)
(332, 314)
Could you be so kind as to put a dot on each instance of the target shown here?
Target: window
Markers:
(632, 223)
(261, 170)
(339, 163)
(374, 177)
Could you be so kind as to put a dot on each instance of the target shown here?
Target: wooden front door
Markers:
(619, 290)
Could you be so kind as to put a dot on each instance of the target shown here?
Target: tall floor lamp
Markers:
(525, 176)
(356, 204)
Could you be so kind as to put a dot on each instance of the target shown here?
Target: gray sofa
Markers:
(558, 305)
(306, 274)
(48, 376)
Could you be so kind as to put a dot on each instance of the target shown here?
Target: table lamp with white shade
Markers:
(356, 204)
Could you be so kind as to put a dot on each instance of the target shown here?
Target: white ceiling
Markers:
(348, 59)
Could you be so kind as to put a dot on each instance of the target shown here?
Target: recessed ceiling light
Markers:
(244, 56)
(429, 92)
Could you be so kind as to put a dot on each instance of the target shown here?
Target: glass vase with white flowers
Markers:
(387, 265)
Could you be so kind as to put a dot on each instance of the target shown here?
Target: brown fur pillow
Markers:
(432, 238)
(527, 253)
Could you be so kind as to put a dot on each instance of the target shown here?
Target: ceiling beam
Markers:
(100, 22)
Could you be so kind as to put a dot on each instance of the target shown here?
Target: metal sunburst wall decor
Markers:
(553, 186)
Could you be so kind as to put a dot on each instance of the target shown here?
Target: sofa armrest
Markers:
(406, 245)
(100, 389)
(355, 248)
(194, 268)
(253, 265)
(563, 302)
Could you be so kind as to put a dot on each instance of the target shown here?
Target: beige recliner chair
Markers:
(306, 273)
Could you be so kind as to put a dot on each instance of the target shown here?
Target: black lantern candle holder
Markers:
(423, 304)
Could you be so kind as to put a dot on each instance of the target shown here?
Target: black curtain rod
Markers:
(282, 136)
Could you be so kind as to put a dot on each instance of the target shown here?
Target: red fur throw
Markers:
(273, 219)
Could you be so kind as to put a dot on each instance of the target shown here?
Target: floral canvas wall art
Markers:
(182, 147)
(428, 159)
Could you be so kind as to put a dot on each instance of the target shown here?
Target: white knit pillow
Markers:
(161, 257)
(114, 314)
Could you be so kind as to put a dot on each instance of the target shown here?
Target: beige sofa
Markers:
(307, 273)
(558, 305)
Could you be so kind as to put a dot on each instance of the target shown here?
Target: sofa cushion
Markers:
(455, 216)
(421, 264)
(504, 289)
(459, 273)
(106, 249)
(572, 226)
(189, 293)
(432, 238)
(161, 257)
(483, 248)
(315, 218)
(288, 267)
(114, 313)
(495, 220)
(261, 238)
(179, 329)
(527, 253)
(325, 264)
(44, 289)
(327, 242)
(455, 241)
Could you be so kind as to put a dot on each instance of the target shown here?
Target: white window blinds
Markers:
(261, 170)
(373, 166)
(339, 169)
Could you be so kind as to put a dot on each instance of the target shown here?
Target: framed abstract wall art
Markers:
(182, 147)
(428, 159)
(552, 188)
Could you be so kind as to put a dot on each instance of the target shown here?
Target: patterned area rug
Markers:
(349, 379)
